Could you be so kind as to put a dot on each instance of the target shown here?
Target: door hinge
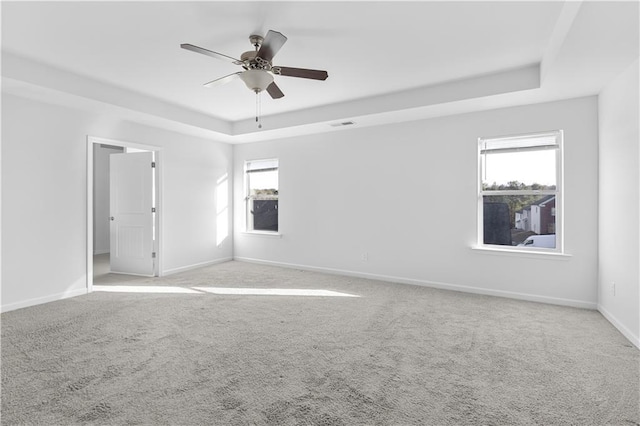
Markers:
(153, 255)
(153, 164)
(153, 209)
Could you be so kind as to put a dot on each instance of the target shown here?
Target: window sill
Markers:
(521, 253)
(264, 234)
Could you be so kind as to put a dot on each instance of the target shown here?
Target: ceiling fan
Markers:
(258, 67)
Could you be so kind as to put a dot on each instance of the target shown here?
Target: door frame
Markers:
(159, 248)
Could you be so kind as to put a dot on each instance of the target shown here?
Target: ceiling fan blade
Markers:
(274, 91)
(272, 42)
(211, 53)
(301, 73)
(223, 80)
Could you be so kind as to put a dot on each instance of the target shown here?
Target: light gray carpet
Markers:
(397, 355)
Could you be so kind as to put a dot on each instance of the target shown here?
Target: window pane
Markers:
(519, 170)
(512, 220)
(263, 185)
(265, 215)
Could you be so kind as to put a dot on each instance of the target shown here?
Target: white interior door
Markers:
(131, 198)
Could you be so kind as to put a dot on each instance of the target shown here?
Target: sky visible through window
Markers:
(264, 180)
(525, 167)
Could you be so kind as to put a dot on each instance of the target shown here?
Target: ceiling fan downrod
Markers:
(256, 40)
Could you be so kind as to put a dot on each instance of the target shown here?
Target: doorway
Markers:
(123, 211)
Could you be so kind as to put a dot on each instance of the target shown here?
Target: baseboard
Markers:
(619, 326)
(195, 266)
(103, 251)
(44, 299)
(432, 284)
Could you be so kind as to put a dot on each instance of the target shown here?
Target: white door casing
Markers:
(131, 220)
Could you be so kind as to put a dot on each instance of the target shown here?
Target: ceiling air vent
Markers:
(343, 123)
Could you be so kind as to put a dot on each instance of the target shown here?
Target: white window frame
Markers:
(247, 198)
(558, 192)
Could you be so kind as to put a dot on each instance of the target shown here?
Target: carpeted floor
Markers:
(396, 355)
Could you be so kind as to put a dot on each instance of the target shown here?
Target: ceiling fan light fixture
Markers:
(257, 80)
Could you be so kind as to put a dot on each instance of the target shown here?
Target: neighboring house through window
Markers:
(261, 178)
(520, 189)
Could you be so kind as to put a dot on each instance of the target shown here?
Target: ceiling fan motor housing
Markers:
(252, 61)
(248, 56)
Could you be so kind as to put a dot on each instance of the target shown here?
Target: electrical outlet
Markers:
(364, 257)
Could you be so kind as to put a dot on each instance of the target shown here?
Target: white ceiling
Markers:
(419, 58)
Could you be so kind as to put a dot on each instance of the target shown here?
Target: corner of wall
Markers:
(619, 203)
(633, 338)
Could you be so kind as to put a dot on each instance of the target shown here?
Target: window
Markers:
(520, 190)
(261, 178)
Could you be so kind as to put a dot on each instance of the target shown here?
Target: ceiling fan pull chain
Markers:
(258, 110)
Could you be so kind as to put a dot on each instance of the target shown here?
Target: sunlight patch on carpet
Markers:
(273, 292)
(143, 289)
(235, 291)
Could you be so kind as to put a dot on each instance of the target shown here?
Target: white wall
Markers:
(44, 152)
(619, 185)
(101, 225)
(405, 194)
